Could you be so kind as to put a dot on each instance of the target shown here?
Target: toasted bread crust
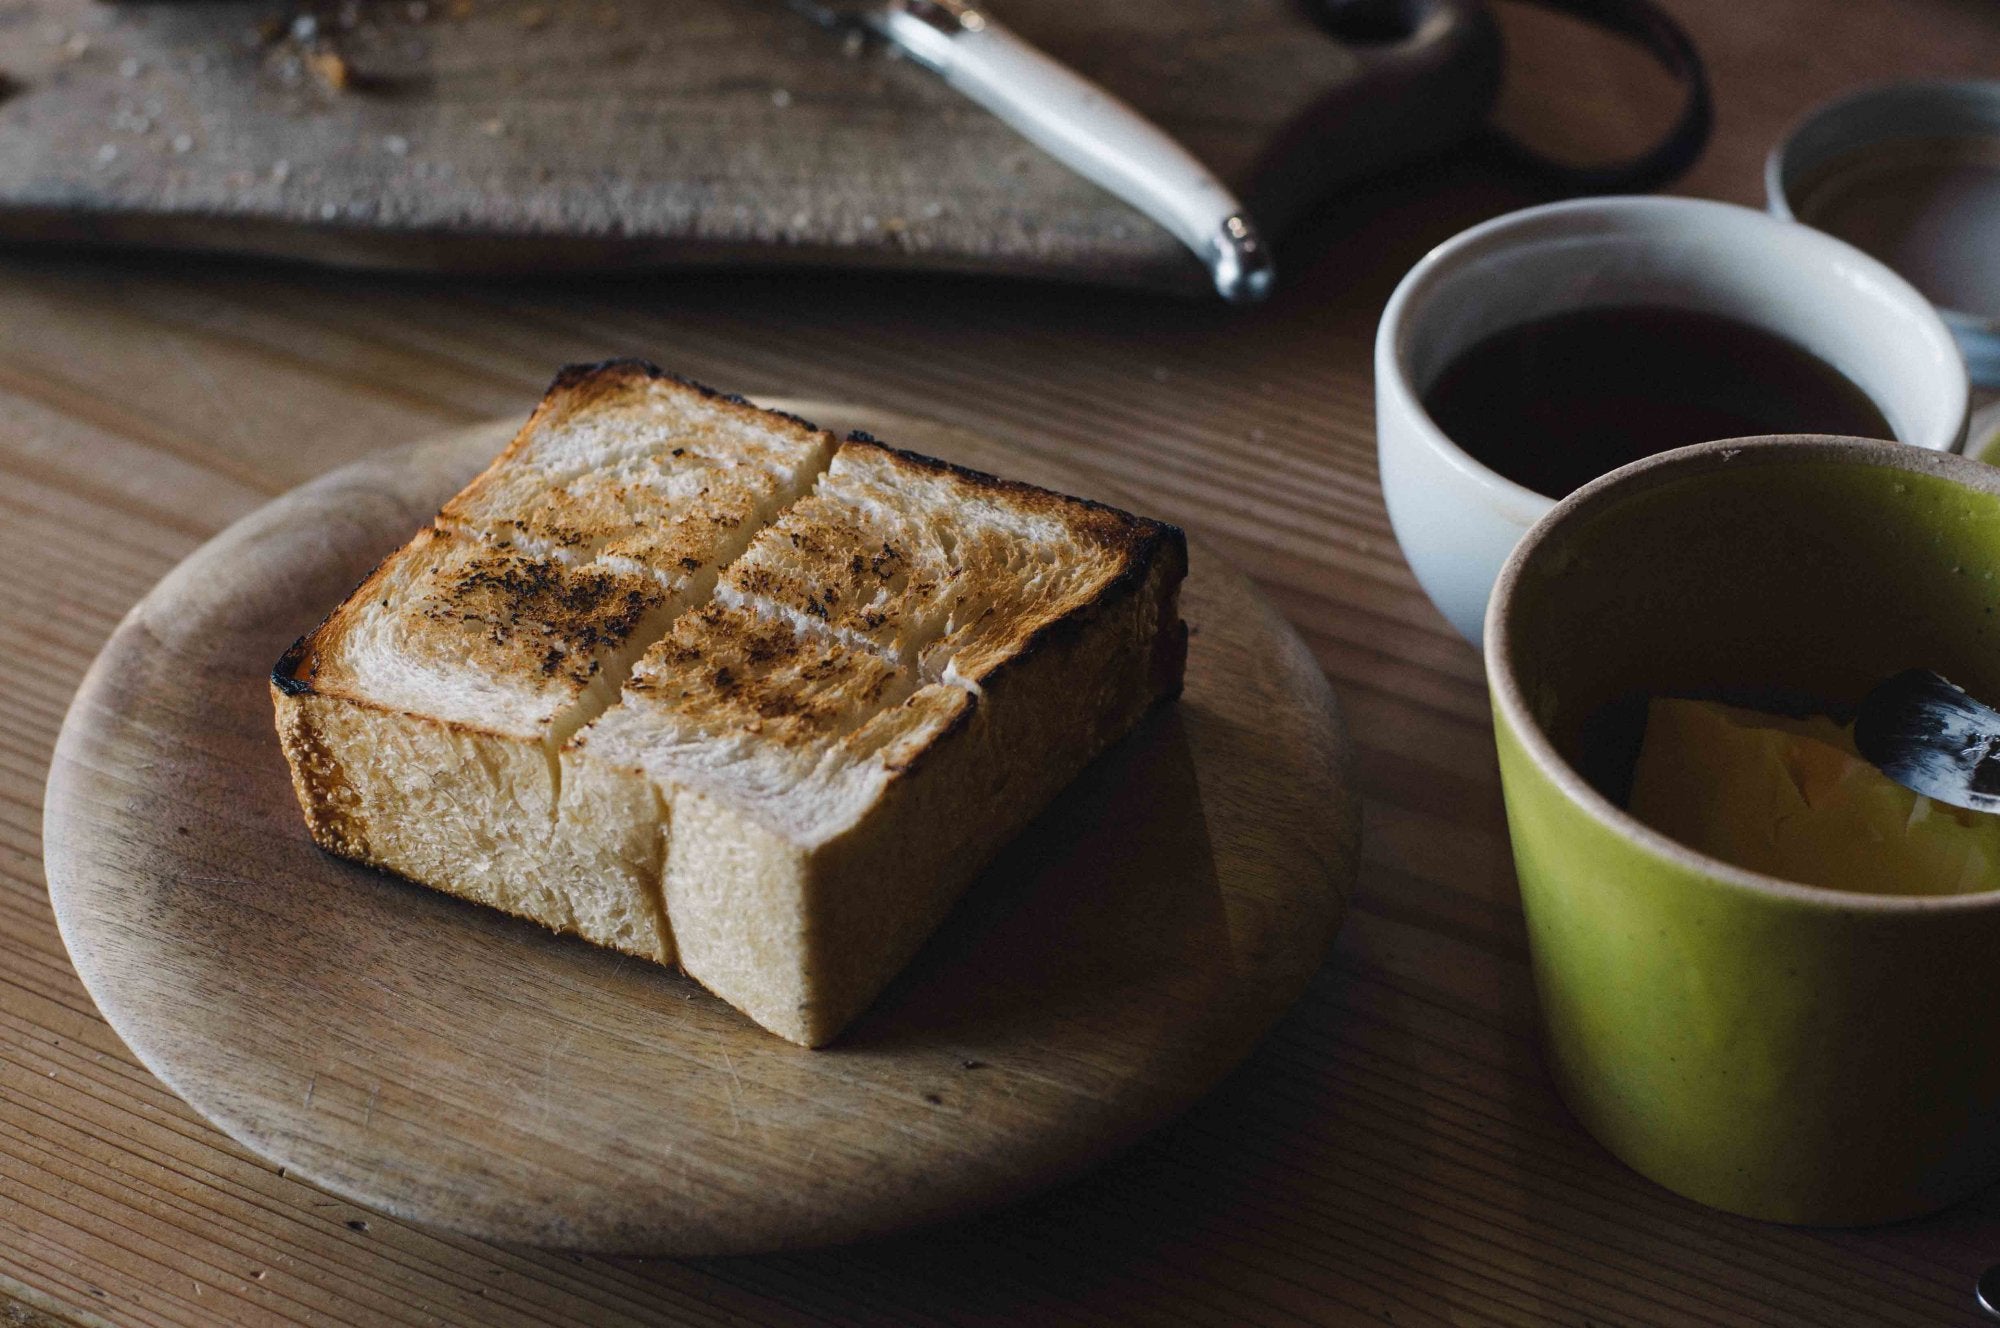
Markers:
(866, 723)
(513, 589)
(607, 375)
(285, 679)
(1113, 527)
(1167, 562)
(1138, 543)
(326, 795)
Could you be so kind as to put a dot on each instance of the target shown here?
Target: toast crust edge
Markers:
(1139, 543)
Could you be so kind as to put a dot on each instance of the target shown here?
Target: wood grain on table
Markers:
(1392, 1153)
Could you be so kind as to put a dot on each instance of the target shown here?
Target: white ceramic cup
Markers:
(1456, 519)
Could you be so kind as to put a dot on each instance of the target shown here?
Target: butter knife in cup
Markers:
(1075, 121)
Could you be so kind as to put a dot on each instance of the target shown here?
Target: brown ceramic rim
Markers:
(1607, 492)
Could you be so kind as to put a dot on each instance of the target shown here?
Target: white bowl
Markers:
(1457, 519)
(1942, 223)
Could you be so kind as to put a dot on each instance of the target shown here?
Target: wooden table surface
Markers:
(1392, 1153)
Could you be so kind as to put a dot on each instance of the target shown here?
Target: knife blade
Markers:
(1074, 120)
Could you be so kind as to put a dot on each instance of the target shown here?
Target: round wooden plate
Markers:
(456, 1067)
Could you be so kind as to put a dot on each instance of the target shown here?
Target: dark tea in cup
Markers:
(1557, 401)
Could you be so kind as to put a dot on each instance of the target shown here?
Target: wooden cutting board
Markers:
(451, 1065)
(536, 134)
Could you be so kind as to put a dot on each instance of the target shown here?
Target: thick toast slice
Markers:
(684, 678)
(894, 678)
(425, 718)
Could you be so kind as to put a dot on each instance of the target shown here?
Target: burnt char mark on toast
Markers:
(1141, 545)
(573, 612)
(293, 673)
(545, 619)
(749, 673)
(603, 373)
(285, 673)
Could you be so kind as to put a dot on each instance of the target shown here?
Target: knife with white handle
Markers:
(1075, 121)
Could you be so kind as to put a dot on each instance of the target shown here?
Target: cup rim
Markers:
(1779, 160)
(1650, 472)
(1392, 370)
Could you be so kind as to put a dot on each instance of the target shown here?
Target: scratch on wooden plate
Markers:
(735, 1107)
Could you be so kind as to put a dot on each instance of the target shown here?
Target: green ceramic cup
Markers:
(1778, 1050)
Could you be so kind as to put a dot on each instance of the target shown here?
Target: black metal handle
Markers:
(1369, 22)
(1655, 31)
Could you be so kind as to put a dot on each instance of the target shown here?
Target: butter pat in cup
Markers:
(1786, 1051)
